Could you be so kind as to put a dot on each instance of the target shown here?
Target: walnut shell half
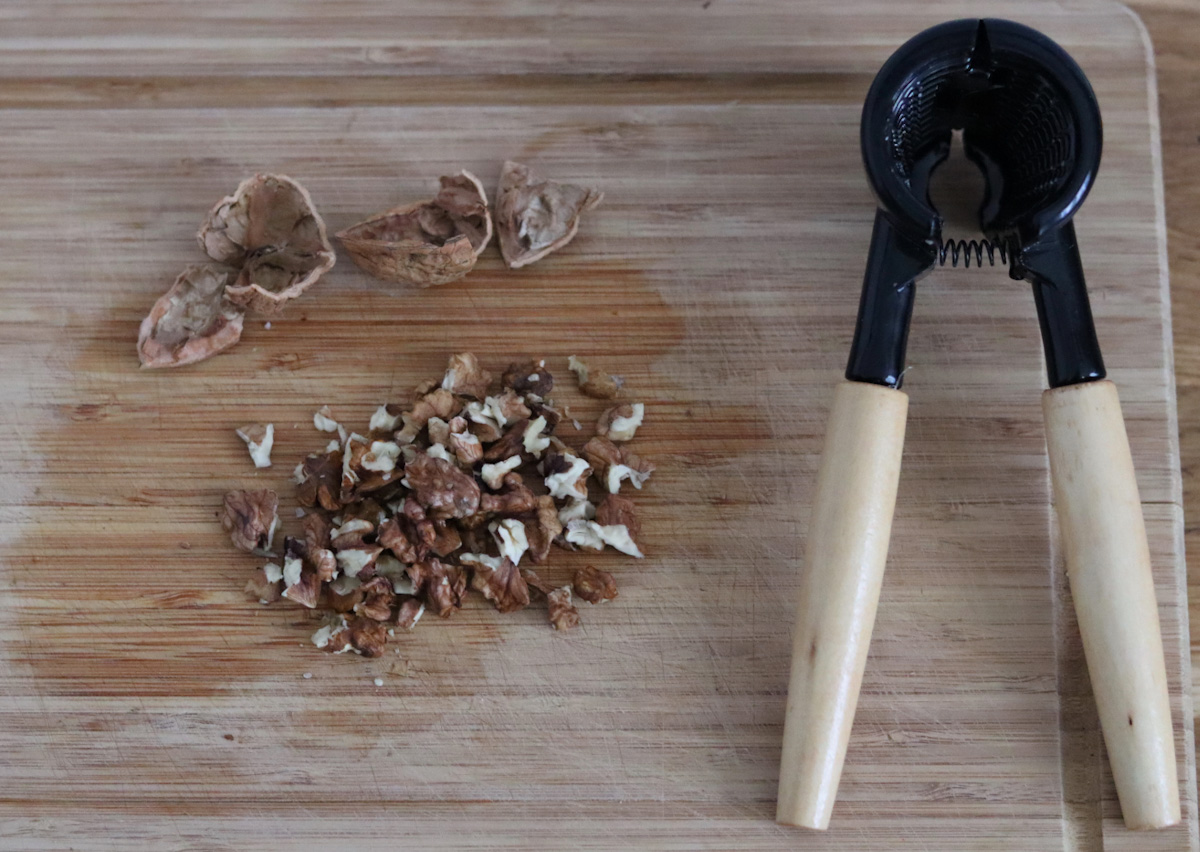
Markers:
(535, 217)
(192, 321)
(270, 228)
(427, 243)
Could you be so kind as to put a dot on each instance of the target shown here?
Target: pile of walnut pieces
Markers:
(268, 246)
(445, 494)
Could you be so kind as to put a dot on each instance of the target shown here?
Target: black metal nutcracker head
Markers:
(1030, 121)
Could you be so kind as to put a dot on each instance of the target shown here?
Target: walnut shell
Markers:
(270, 228)
(535, 217)
(427, 243)
(191, 321)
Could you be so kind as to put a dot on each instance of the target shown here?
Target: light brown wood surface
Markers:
(146, 704)
(846, 550)
(1174, 27)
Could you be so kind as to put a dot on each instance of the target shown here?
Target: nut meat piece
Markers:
(377, 601)
(395, 538)
(409, 613)
(514, 497)
(358, 561)
(535, 217)
(566, 475)
(592, 536)
(594, 585)
(438, 403)
(270, 229)
(333, 636)
(250, 518)
(528, 377)
(616, 463)
(192, 321)
(443, 585)
(443, 489)
(317, 530)
(319, 481)
(563, 614)
(318, 559)
(446, 539)
(620, 422)
(426, 243)
(262, 588)
(542, 526)
(511, 443)
(306, 591)
(464, 376)
(615, 509)
(535, 582)
(345, 593)
(499, 581)
(368, 636)
(259, 439)
(466, 447)
(597, 386)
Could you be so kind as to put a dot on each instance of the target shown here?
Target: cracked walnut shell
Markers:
(270, 228)
(427, 243)
(535, 217)
(192, 321)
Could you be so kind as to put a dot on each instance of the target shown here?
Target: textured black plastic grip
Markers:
(1068, 334)
(894, 264)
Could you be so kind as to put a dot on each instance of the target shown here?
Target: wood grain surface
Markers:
(144, 703)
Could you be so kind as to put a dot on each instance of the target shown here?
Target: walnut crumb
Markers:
(597, 386)
(563, 614)
(620, 422)
(259, 439)
(593, 585)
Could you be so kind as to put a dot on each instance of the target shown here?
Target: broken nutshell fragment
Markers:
(426, 243)
(594, 585)
(250, 518)
(191, 321)
(270, 229)
(535, 217)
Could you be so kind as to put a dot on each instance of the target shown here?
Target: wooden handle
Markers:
(1108, 565)
(839, 591)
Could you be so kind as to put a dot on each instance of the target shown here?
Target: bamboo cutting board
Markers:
(145, 704)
